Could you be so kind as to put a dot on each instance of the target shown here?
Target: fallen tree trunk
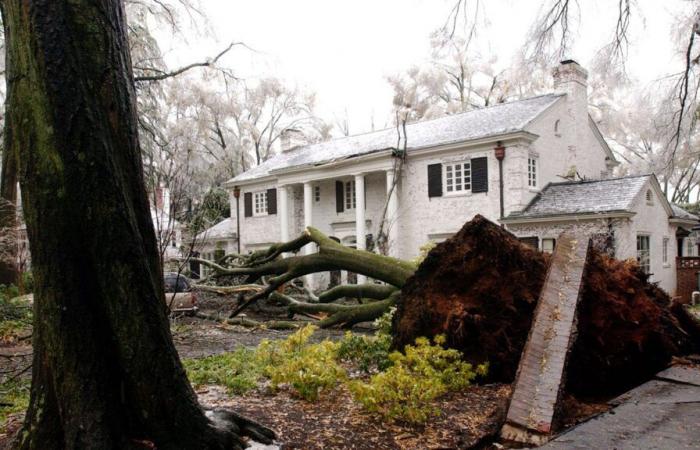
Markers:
(331, 255)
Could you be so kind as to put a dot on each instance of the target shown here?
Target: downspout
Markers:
(237, 194)
(500, 152)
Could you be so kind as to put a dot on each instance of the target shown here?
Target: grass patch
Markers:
(238, 371)
(15, 315)
(14, 398)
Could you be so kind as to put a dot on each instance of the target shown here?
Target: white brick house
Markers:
(492, 161)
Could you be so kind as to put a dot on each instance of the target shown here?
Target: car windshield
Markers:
(176, 283)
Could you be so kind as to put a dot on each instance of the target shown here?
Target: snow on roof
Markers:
(494, 120)
(585, 197)
(222, 230)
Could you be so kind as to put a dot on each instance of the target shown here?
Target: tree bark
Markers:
(8, 214)
(105, 372)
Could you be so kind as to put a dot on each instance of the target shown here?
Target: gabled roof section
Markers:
(603, 143)
(584, 197)
(481, 123)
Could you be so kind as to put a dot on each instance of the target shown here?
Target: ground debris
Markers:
(336, 421)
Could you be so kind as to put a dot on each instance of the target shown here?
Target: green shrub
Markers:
(306, 368)
(368, 353)
(406, 391)
(239, 371)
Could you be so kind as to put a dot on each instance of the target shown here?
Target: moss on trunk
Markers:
(105, 370)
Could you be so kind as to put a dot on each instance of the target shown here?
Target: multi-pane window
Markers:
(317, 194)
(260, 203)
(350, 199)
(458, 177)
(644, 253)
(664, 250)
(548, 245)
(689, 247)
(531, 171)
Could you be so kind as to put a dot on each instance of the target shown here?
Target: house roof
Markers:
(222, 230)
(611, 195)
(481, 123)
(681, 213)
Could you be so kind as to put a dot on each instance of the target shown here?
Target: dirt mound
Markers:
(480, 288)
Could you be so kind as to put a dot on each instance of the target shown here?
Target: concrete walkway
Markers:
(663, 413)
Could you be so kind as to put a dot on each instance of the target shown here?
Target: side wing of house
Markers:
(652, 236)
(258, 215)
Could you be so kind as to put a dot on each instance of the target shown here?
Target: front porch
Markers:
(348, 207)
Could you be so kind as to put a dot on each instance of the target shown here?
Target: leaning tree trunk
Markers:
(105, 372)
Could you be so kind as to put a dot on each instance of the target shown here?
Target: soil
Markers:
(480, 287)
(469, 418)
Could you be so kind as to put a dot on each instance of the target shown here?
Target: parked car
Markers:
(178, 293)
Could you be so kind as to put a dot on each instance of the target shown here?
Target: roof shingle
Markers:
(480, 123)
(584, 197)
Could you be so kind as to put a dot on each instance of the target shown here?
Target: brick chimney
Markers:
(572, 79)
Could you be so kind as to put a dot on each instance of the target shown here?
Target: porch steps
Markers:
(540, 375)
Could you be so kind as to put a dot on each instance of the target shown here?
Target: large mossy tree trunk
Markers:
(105, 372)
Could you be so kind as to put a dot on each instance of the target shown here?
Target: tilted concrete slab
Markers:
(539, 380)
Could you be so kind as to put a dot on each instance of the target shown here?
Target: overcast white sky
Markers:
(343, 50)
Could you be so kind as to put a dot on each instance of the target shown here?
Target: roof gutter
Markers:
(573, 217)
(683, 221)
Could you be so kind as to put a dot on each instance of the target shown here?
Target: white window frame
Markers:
(453, 184)
(533, 171)
(554, 244)
(260, 203)
(349, 195)
(644, 255)
(664, 250)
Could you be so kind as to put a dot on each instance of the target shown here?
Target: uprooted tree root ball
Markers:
(480, 288)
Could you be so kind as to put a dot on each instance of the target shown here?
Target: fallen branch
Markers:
(250, 323)
(345, 315)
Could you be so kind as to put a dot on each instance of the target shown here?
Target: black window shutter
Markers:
(532, 241)
(248, 204)
(435, 180)
(480, 175)
(272, 201)
(339, 207)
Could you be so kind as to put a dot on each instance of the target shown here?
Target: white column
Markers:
(360, 231)
(392, 212)
(308, 214)
(284, 213)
